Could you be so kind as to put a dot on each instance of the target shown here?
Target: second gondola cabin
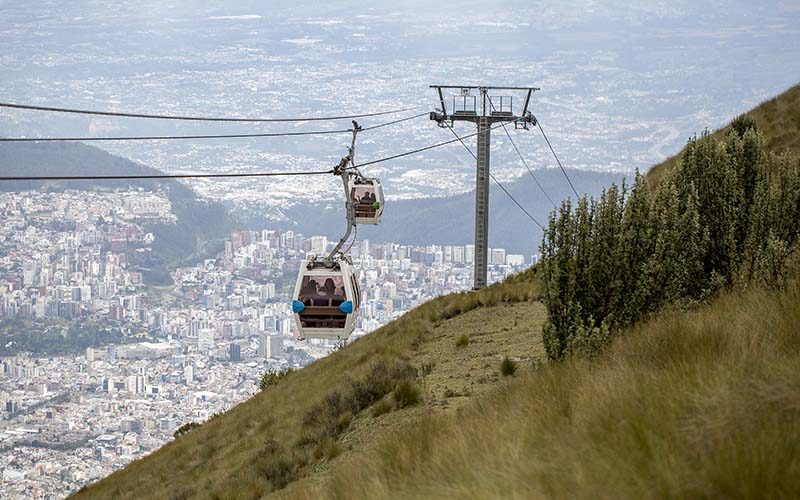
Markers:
(326, 299)
(367, 198)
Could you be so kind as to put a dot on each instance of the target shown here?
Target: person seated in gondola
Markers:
(325, 293)
(309, 292)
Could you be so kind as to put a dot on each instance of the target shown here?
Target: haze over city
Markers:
(129, 310)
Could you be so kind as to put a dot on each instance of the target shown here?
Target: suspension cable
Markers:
(395, 121)
(160, 176)
(539, 124)
(415, 151)
(506, 191)
(169, 137)
(213, 136)
(523, 160)
(197, 118)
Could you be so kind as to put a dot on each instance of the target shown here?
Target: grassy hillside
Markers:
(703, 404)
(689, 403)
(278, 436)
(778, 119)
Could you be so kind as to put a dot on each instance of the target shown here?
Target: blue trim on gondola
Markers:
(346, 307)
(297, 306)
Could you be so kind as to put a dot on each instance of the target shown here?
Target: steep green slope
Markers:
(704, 404)
(283, 434)
(689, 404)
(778, 119)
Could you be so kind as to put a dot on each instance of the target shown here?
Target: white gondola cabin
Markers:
(367, 198)
(326, 299)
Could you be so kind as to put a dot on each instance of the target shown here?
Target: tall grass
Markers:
(704, 404)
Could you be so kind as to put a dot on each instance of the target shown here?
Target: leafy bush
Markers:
(508, 367)
(271, 378)
(729, 214)
(185, 428)
(588, 341)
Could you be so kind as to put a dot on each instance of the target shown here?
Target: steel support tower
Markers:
(484, 110)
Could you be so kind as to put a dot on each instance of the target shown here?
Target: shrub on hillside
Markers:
(407, 393)
(508, 367)
(729, 214)
(326, 449)
(279, 469)
(462, 341)
(271, 378)
(335, 413)
(381, 407)
(189, 426)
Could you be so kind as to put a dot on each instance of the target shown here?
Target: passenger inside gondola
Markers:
(365, 201)
(322, 303)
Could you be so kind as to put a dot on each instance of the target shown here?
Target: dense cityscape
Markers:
(98, 368)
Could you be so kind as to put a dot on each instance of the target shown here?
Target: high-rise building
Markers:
(270, 346)
(469, 254)
(234, 352)
(513, 259)
(205, 339)
(458, 255)
(498, 256)
(319, 245)
(268, 323)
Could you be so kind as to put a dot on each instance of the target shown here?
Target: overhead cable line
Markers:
(195, 137)
(170, 137)
(198, 118)
(525, 162)
(506, 191)
(394, 122)
(415, 151)
(159, 176)
(539, 124)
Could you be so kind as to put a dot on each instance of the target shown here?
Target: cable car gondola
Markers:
(327, 298)
(367, 198)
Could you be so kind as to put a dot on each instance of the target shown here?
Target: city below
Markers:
(98, 368)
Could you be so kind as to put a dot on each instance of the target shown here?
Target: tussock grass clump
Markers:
(462, 341)
(699, 404)
(184, 493)
(324, 422)
(407, 393)
(327, 449)
(508, 367)
(382, 407)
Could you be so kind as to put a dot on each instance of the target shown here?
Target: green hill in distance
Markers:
(201, 226)
(456, 399)
(778, 120)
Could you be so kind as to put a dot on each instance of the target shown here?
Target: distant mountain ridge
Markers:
(450, 220)
(443, 221)
(201, 226)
